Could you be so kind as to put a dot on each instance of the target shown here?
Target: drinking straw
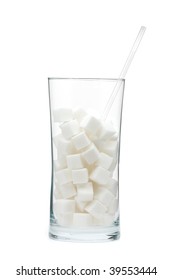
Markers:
(123, 72)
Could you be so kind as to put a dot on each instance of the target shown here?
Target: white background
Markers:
(41, 38)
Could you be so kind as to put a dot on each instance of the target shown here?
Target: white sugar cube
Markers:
(91, 125)
(112, 186)
(80, 205)
(68, 190)
(114, 162)
(60, 163)
(74, 161)
(63, 145)
(58, 138)
(108, 219)
(100, 175)
(79, 114)
(106, 131)
(104, 220)
(113, 207)
(64, 219)
(82, 219)
(69, 129)
(80, 140)
(96, 208)
(91, 155)
(62, 115)
(104, 196)
(114, 137)
(64, 206)
(109, 147)
(104, 160)
(85, 192)
(63, 176)
(80, 176)
(57, 193)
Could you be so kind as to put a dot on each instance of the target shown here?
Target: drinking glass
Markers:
(85, 153)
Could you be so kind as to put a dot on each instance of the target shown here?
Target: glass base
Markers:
(93, 234)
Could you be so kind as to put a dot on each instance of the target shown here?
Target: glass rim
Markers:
(87, 79)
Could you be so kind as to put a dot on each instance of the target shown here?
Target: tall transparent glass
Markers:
(84, 201)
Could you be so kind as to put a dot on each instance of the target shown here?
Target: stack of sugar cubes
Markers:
(85, 193)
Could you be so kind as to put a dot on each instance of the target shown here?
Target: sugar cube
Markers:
(64, 219)
(114, 162)
(91, 155)
(96, 208)
(104, 196)
(64, 206)
(74, 161)
(57, 193)
(80, 140)
(104, 220)
(104, 160)
(80, 176)
(106, 131)
(63, 145)
(91, 125)
(68, 190)
(113, 206)
(109, 147)
(63, 176)
(60, 163)
(85, 192)
(100, 175)
(70, 129)
(112, 186)
(80, 205)
(82, 219)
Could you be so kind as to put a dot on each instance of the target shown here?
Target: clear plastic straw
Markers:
(123, 72)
